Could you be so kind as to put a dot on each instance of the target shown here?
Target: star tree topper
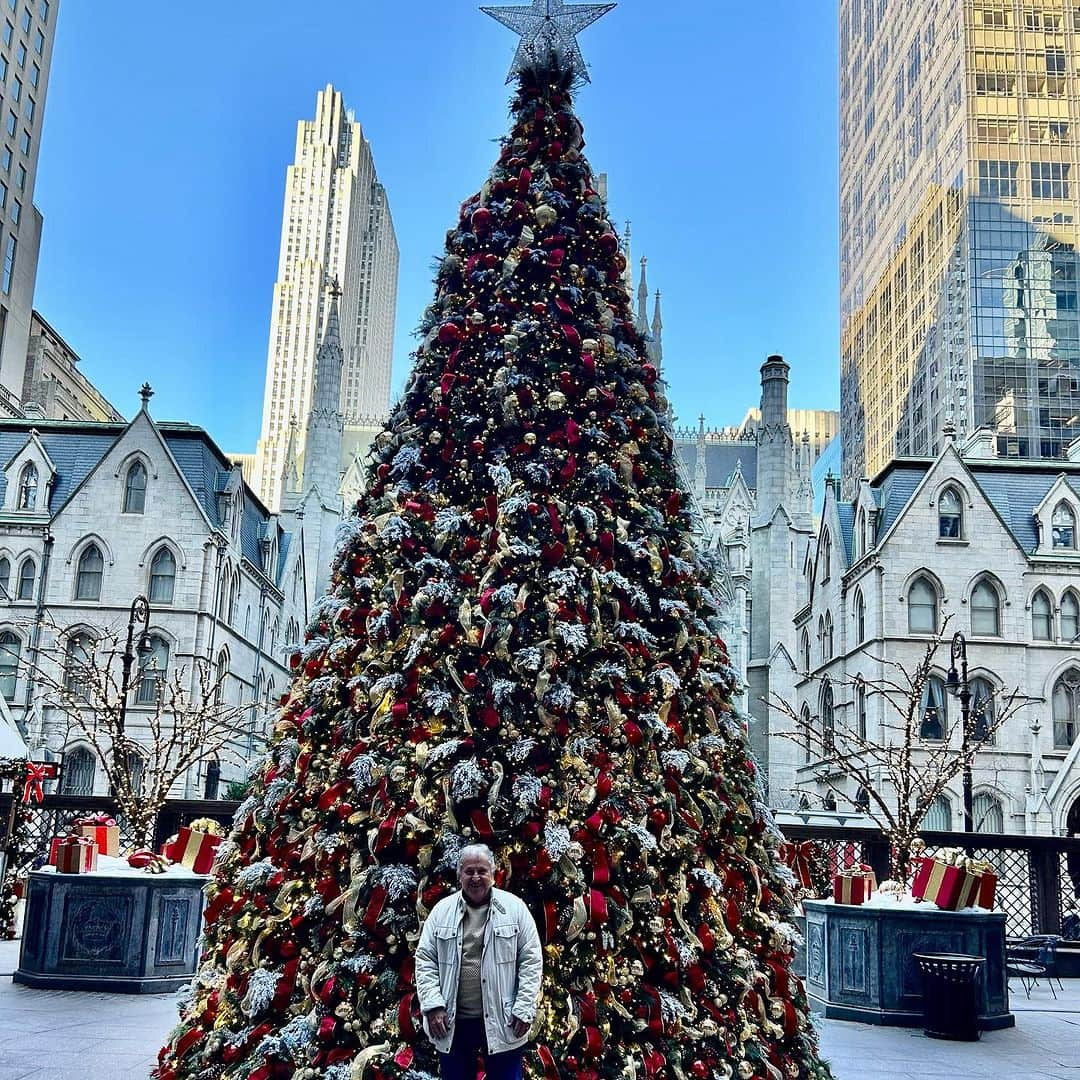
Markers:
(548, 27)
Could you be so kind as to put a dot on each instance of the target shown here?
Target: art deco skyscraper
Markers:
(959, 216)
(27, 31)
(336, 227)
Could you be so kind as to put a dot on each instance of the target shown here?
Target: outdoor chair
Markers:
(1031, 958)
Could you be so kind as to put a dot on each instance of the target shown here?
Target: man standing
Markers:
(478, 972)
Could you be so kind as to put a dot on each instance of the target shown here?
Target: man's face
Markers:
(476, 880)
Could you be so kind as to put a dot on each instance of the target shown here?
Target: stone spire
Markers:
(290, 473)
(657, 345)
(643, 301)
(325, 426)
(776, 446)
(700, 469)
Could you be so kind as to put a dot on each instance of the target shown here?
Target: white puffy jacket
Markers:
(511, 967)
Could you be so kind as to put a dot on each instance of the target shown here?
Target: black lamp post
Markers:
(957, 684)
(140, 612)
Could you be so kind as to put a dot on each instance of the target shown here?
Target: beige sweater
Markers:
(470, 1001)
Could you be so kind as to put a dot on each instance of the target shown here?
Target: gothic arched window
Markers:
(88, 576)
(135, 489)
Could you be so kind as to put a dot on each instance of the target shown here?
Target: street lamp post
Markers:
(958, 685)
(140, 612)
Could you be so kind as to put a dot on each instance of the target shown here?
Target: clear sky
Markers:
(168, 128)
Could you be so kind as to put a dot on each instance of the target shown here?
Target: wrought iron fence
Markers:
(1038, 876)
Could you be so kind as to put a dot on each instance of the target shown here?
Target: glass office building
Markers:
(959, 203)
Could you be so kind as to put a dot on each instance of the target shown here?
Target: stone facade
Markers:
(151, 509)
(752, 489)
(964, 541)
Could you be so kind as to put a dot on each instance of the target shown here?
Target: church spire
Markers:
(643, 300)
(325, 426)
(656, 347)
(290, 474)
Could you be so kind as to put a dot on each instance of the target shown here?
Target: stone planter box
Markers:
(122, 932)
(859, 962)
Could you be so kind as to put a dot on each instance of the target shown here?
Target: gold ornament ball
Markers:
(746, 1070)
(546, 215)
(530, 438)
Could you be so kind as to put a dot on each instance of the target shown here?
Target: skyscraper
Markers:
(336, 226)
(959, 210)
(27, 30)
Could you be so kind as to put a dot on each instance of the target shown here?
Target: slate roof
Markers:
(846, 513)
(1014, 488)
(76, 449)
(720, 461)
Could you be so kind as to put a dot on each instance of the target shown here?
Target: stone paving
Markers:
(62, 1035)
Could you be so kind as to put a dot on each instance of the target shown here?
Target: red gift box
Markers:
(102, 828)
(854, 885)
(939, 882)
(76, 855)
(979, 886)
(193, 849)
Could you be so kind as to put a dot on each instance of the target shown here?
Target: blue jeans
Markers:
(470, 1041)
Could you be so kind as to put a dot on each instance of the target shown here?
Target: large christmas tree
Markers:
(520, 647)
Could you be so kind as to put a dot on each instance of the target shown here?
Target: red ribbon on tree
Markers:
(798, 855)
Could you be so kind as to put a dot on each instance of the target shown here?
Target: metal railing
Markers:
(1038, 876)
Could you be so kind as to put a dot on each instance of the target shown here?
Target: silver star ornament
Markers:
(549, 28)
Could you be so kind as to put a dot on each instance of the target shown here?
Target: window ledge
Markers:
(946, 541)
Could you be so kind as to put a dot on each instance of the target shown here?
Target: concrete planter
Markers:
(859, 963)
(120, 932)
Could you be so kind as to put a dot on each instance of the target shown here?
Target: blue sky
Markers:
(168, 128)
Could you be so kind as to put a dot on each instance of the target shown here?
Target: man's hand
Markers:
(437, 1023)
(519, 1027)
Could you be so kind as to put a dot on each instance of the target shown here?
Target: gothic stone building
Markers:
(964, 541)
(93, 515)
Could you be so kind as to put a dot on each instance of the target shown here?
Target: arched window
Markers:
(860, 533)
(939, 816)
(78, 772)
(270, 695)
(860, 708)
(27, 577)
(985, 610)
(221, 676)
(78, 655)
(234, 599)
(826, 556)
(860, 617)
(136, 768)
(1063, 527)
(89, 573)
(821, 638)
(828, 643)
(135, 489)
(162, 576)
(1066, 708)
(213, 779)
(153, 670)
(986, 813)
(804, 647)
(828, 718)
(933, 710)
(10, 650)
(982, 709)
(5, 578)
(28, 487)
(950, 515)
(1070, 618)
(806, 723)
(922, 607)
(1042, 617)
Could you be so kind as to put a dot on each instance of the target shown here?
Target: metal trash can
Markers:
(952, 990)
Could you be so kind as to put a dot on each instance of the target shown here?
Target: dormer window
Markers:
(950, 515)
(1063, 528)
(28, 487)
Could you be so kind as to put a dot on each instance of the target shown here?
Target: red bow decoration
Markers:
(799, 855)
(36, 772)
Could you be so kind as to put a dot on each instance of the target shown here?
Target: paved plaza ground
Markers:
(61, 1035)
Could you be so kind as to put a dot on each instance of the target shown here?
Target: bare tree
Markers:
(182, 718)
(899, 772)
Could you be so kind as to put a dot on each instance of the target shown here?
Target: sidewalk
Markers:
(62, 1035)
